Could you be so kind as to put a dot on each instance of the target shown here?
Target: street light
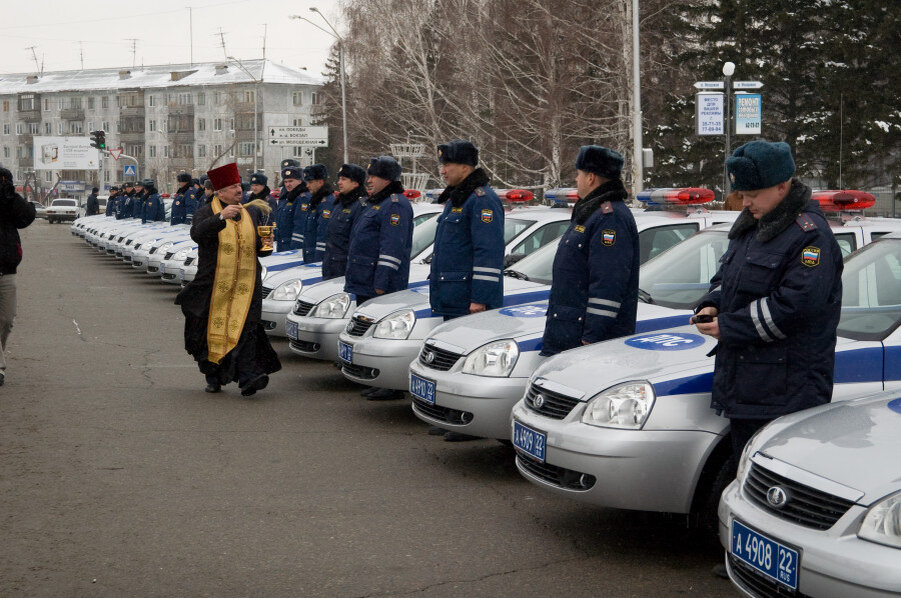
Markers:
(256, 93)
(340, 39)
(728, 71)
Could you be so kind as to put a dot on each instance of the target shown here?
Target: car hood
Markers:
(282, 257)
(853, 443)
(309, 273)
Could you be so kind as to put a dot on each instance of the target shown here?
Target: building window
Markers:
(26, 102)
(151, 151)
(298, 151)
(231, 124)
(165, 151)
(76, 126)
(245, 149)
(91, 103)
(152, 125)
(297, 96)
(217, 124)
(46, 105)
(104, 102)
(6, 105)
(74, 102)
(91, 126)
(20, 128)
(151, 101)
(220, 98)
(186, 99)
(201, 151)
(48, 129)
(6, 129)
(314, 98)
(201, 124)
(35, 128)
(201, 99)
(60, 128)
(217, 150)
(298, 122)
(249, 95)
(106, 125)
(48, 177)
(5, 152)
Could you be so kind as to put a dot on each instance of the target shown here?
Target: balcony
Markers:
(30, 116)
(72, 114)
(181, 109)
(131, 137)
(26, 162)
(128, 111)
(244, 108)
(181, 137)
(246, 135)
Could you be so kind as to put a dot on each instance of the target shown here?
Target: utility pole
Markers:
(191, 31)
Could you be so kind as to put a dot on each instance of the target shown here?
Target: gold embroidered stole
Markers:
(236, 270)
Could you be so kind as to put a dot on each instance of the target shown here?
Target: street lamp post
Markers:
(637, 141)
(256, 92)
(334, 33)
(728, 71)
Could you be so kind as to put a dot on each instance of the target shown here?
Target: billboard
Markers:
(709, 115)
(748, 113)
(65, 153)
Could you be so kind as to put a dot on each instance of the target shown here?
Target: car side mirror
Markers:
(511, 259)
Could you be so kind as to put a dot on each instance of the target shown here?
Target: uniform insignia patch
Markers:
(303, 207)
(376, 208)
(479, 191)
(608, 237)
(395, 219)
(810, 256)
(326, 213)
(346, 210)
(487, 216)
(456, 210)
(178, 203)
(606, 207)
(579, 228)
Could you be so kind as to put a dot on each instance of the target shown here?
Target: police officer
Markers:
(206, 191)
(594, 295)
(338, 215)
(314, 237)
(113, 201)
(125, 205)
(259, 189)
(466, 272)
(378, 257)
(775, 303)
(138, 199)
(292, 178)
(154, 210)
(301, 209)
(183, 202)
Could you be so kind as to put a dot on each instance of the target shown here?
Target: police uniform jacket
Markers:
(380, 243)
(183, 205)
(469, 249)
(137, 206)
(111, 204)
(284, 218)
(338, 215)
(301, 212)
(778, 293)
(316, 231)
(154, 210)
(125, 206)
(594, 294)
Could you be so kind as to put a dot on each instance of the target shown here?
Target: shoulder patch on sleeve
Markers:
(480, 191)
(810, 256)
(805, 222)
(487, 216)
(607, 208)
(608, 237)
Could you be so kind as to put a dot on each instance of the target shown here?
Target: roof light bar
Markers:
(675, 196)
(845, 200)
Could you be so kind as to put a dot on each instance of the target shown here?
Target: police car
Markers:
(627, 423)
(321, 312)
(281, 284)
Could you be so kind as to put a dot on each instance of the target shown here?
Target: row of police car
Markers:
(815, 509)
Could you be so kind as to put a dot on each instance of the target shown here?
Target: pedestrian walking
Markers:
(92, 206)
(338, 215)
(223, 304)
(594, 293)
(15, 214)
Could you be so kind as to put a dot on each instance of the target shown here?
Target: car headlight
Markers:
(287, 291)
(397, 325)
(165, 247)
(744, 462)
(180, 256)
(334, 307)
(622, 406)
(494, 359)
(263, 273)
(882, 523)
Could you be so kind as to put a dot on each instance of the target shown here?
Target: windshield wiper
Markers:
(645, 297)
(515, 274)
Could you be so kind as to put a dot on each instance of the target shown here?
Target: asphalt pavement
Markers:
(119, 476)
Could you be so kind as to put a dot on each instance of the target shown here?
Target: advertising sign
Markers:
(709, 114)
(748, 113)
(65, 153)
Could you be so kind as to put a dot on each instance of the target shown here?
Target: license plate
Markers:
(181, 275)
(345, 352)
(291, 330)
(529, 441)
(769, 557)
(162, 268)
(422, 389)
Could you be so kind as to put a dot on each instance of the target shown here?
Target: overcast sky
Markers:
(102, 31)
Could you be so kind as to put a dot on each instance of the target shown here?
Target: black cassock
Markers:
(253, 355)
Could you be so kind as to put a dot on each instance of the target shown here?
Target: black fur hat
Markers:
(458, 152)
(316, 172)
(183, 177)
(258, 178)
(292, 172)
(601, 161)
(353, 172)
(760, 165)
(384, 167)
(287, 162)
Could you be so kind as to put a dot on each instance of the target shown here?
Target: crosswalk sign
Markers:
(130, 170)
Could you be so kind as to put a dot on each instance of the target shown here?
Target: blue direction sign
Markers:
(129, 170)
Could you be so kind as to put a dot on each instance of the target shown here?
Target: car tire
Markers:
(719, 471)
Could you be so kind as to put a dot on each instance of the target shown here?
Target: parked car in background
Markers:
(40, 211)
(62, 209)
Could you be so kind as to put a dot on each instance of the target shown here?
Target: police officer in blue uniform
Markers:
(183, 202)
(338, 215)
(594, 294)
(154, 210)
(775, 303)
(113, 201)
(378, 257)
(138, 200)
(314, 237)
(466, 272)
(125, 205)
(259, 189)
(292, 178)
(301, 209)
(206, 193)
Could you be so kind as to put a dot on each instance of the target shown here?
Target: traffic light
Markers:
(98, 139)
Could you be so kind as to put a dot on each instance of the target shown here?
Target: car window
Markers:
(847, 242)
(680, 277)
(417, 220)
(64, 202)
(877, 235)
(424, 227)
(513, 227)
(654, 241)
(539, 266)
(541, 237)
(871, 292)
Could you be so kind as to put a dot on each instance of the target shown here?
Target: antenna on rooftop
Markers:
(34, 55)
(265, 27)
(134, 50)
(221, 35)
(81, 53)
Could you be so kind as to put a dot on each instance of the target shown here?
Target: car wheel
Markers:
(717, 474)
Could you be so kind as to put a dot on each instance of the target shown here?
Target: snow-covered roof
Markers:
(156, 77)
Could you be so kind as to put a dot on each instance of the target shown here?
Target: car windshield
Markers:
(680, 276)
(538, 266)
(513, 227)
(871, 292)
(424, 227)
(64, 202)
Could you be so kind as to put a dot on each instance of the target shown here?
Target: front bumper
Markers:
(834, 562)
(153, 265)
(483, 402)
(317, 338)
(644, 470)
(274, 315)
(380, 362)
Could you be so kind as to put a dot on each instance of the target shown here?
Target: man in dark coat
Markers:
(125, 205)
(113, 201)
(316, 178)
(259, 189)
(154, 210)
(92, 207)
(223, 304)
(776, 300)
(183, 203)
(594, 294)
(292, 178)
(15, 213)
(338, 215)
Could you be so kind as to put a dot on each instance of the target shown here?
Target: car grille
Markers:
(266, 291)
(444, 414)
(189, 261)
(153, 250)
(138, 246)
(567, 479)
(151, 269)
(437, 359)
(552, 404)
(302, 308)
(806, 506)
(358, 371)
(756, 584)
(169, 255)
(359, 326)
(129, 243)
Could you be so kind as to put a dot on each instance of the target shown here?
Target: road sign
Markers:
(710, 113)
(709, 85)
(129, 170)
(115, 153)
(746, 85)
(303, 136)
